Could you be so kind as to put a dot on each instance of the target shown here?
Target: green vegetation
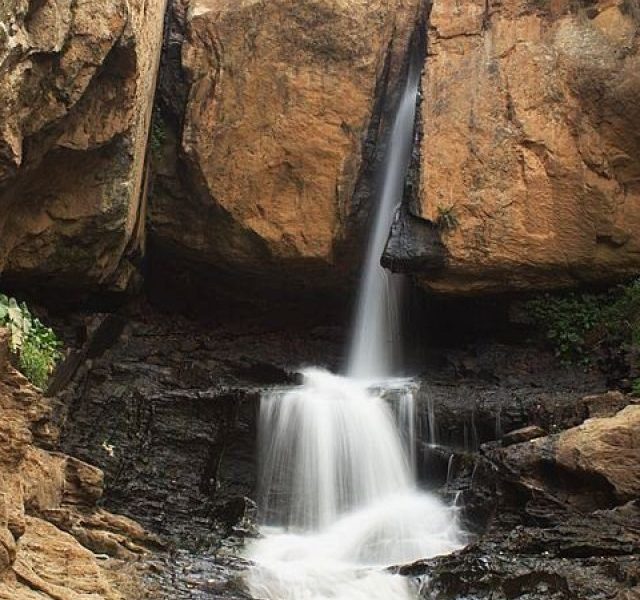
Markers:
(36, 346)
(158, 135)
(446, 218)
(592, 327)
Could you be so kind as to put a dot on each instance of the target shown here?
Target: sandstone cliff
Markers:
(281, 100)
(531, 143)
(76, 88)
(50, 529)
(269, 129)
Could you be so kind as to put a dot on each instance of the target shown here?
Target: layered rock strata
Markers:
(54, 541)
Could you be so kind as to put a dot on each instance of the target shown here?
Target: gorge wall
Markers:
(530, 163)
(279, 115)
(270, 120)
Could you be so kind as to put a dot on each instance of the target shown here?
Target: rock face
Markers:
(555, 517)
(76, 89)
(531, 143)
(50, 527)
(282, 99)
(601, 455)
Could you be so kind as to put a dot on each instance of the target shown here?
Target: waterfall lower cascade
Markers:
(337, 483)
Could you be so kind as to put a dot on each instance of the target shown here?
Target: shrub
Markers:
(36, 346)
(583, 327)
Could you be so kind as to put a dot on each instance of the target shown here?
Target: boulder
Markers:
(76, 94)
(594, 465)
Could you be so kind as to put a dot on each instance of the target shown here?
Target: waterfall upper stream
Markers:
(338, 494)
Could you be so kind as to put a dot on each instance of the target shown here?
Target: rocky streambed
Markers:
(543, 463)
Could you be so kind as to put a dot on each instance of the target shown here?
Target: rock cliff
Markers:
(530, 152)
(280, 113)
(54, 542)
(270, 125)
(76, 88)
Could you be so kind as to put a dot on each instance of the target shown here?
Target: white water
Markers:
(337, 489)
(375, 348)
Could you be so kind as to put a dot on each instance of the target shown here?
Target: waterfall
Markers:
(338, 497)
(375, 347)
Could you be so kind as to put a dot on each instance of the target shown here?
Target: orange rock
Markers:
(281, 96)
(49, 524)
(531, 137)
(605, 449)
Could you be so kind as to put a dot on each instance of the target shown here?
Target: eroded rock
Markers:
(50, 527)
(276, 130)
(75, 101)
(596, 464)
(530, 149)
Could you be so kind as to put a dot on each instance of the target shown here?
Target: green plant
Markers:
(35, 345)
(446, 218)
(567, 321)
(635, 387)
(158, 135)
(583, 327)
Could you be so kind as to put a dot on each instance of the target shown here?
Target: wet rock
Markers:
(475, 395)
(414, 245)
(529, 543)
(168, 412)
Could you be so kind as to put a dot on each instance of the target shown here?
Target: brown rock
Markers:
(49, 524)
(522, 435)
(274, 126)
(53, 562)
(607, 448)
(594, 465)
(532, 140)
(605, 405)
(75, 100)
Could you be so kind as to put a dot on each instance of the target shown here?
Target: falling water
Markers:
(375, 343)
(338, 496)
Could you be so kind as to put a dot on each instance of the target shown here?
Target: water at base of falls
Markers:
(337, 480)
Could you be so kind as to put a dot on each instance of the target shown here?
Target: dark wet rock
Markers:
(168, 410)
(482, 573)
(414, 245)
(476, 395)
(537, 534)
(184, 575)
(528, 544)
